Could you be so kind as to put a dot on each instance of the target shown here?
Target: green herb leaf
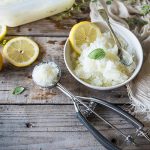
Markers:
(98, 53)
(18, 90)
(108, 2)
(136, 22)
(145, 9)
(80, 6)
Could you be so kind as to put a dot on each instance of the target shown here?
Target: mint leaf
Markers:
(132, 22)
(98, 53)
(18, 90)
(145, 9)
(108, 2)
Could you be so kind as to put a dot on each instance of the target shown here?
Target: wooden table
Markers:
(42, 119)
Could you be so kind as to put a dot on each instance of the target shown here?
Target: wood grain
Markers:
(51, 50)
(56, 127)
(26, 125)
(49, 27)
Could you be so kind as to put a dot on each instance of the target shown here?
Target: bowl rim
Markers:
(138, 68)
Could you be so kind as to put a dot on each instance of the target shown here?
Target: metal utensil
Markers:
(124, 55)
(128, 117)
(81, 101)
(76, 101)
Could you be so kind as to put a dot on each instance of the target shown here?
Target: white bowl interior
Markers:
(129, 38)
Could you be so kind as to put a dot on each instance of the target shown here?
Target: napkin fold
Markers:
(129, 15)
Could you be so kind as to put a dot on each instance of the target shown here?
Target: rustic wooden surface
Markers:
(41, 119)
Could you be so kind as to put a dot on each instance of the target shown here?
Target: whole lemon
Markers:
(1, 61)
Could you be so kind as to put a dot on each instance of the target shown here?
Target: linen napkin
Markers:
(128, 13)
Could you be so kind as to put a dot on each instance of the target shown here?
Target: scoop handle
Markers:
(136, 123)
(100, 138)
(105, 16)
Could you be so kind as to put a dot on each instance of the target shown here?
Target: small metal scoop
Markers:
(89, 108)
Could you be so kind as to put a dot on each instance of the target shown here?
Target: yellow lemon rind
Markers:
(22, 64)
(3, 32)
(73, 32)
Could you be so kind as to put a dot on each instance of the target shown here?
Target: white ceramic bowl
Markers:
(128, 36)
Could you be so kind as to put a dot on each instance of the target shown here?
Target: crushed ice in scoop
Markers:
(45, 74)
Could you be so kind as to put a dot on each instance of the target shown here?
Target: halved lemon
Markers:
(3, 31)
(21, 51)
(83, 33)
(1, 62)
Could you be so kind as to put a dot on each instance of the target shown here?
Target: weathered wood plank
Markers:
(51, 49)
(56, 127)
(48, 26)
(53, 127)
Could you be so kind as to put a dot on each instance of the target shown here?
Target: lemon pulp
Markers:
(21, 51)
(83, 33)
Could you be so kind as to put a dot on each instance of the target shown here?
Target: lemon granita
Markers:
(18, 12)
(45, 74)
(105, 71)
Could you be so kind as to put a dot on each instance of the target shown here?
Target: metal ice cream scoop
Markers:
(89, 104)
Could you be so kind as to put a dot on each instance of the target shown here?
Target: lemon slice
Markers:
(3, 30)
(21, 51)
(1, 62)
(83, 33)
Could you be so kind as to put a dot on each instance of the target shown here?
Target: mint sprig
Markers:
(98, 53)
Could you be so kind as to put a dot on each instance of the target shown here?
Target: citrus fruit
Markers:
(21, 51)
(83, 33)
(3, 30)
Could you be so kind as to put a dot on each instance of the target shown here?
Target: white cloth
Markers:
(139, 88)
